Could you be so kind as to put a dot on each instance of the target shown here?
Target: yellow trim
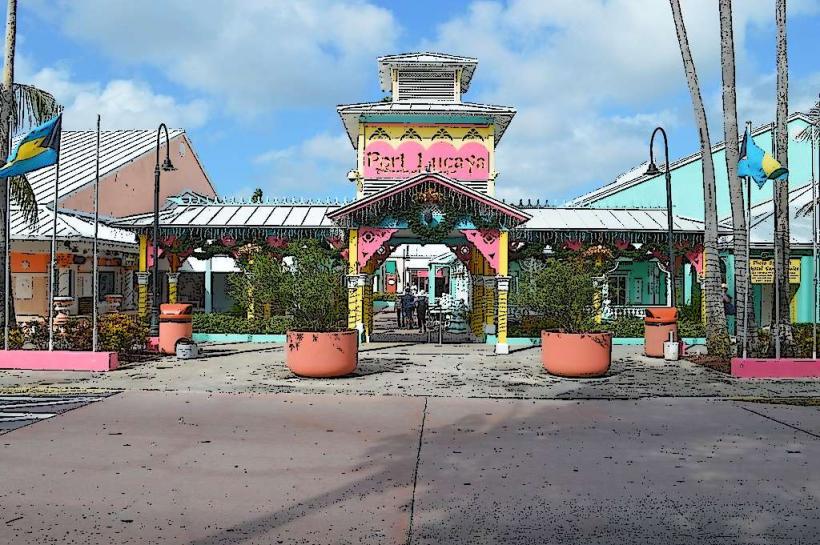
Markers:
(426, 131)
(503, 253)
(143, 258)
(354, 295)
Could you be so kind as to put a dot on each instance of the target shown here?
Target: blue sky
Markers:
(255, 83)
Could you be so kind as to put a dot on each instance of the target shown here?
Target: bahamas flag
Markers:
(758, 164)
(39, 148)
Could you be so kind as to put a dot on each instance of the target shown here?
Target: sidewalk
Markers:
(411, 369)
(195, 468)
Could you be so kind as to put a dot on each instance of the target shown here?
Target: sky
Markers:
(255, 83)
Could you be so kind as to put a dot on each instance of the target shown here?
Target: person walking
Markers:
(422, 305)
(397, 306)
(408, 304)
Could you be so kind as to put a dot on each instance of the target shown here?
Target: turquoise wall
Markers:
(687, 183)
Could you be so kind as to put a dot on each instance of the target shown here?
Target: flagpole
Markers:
(95, 280)
(7, 264)
(786, 265)
(814, 243)
(748, 255)
(52, 263)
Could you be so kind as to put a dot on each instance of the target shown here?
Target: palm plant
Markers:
(21, 106)
(717, 336)
(745, 311)
(783, 329)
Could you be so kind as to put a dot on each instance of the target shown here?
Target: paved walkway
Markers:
(412, 369)
(197, 468)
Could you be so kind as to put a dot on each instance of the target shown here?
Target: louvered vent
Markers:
(427, 85)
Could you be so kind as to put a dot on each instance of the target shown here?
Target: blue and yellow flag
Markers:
(39, 148)
(758, 164)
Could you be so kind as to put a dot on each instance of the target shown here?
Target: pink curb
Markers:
(58, 360)
(775, 368)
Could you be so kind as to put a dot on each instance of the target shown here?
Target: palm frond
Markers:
(23, 196)
(814, 123)
(32, 106)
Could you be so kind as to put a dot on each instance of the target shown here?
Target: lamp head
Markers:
(652, 169)
(167, 165)
(352, 175)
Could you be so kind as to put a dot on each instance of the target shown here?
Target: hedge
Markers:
(231, 323)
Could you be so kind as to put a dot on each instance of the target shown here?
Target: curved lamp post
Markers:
(652, 170)
(166, 166)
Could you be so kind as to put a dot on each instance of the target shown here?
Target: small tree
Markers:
(314, 290)
(561, 292)
(261, 284)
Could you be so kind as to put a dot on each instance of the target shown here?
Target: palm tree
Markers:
(257, 195)
(21, 106)
(745, 312)
(783, 330)
(717, 336)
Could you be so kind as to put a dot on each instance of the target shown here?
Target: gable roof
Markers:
(636, 175)
(467, 64)
(435, 178)
(78, 158)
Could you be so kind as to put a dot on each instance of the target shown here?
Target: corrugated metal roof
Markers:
(606, 219)
(762, 232)
(78, 158)
(70, 226)
(210, 215)
(502, 115)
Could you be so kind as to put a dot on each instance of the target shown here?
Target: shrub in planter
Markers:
(318, 342)
(564, 292)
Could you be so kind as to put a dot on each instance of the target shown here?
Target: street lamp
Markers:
(166, 166)
(652, 170)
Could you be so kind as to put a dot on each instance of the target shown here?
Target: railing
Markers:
(618, 311)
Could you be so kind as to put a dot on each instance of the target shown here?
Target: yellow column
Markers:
(477, 316)
(503, 288)
(702, 289)
(250, 312)
(355, 291)
(367, 299)
(173, 279)
(142, 278)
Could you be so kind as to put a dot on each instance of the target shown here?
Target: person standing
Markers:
(421, 311)
(397, 306)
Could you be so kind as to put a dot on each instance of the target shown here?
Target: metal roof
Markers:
(237, 215)
(408, 60)
(607, 219)
(70, 226)
(78, 158)
(350, 113)
(762, 228)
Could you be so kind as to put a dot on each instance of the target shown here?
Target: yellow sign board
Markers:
(761, 271)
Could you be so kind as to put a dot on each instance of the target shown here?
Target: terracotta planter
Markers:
(312, 354)
(576, 354)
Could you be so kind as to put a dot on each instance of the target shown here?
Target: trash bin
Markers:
(658, 323)
(175, 323)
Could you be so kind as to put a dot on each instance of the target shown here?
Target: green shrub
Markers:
(230, 323)
(121, 333)
(625, 327)
(690, 328)
(384, 296)
(802, 340)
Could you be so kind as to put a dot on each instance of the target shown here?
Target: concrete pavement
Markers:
(199, 468)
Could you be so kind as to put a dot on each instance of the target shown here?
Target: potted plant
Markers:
(563, 293)
(318, 342)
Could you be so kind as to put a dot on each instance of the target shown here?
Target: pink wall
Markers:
(130, 189)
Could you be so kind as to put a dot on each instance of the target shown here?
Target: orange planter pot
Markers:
(576, 354)
(312, 354)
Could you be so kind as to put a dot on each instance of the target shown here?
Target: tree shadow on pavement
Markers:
(567, 472)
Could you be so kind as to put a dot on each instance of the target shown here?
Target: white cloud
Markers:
(122, 104)
(315, 167)
(255, 55)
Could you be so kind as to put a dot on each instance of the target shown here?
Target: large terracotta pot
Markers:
(312, 354)
(576, 354)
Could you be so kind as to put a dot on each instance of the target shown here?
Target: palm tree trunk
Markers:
(6, 106)
(781, 189)
(717, 336)
(745, 311)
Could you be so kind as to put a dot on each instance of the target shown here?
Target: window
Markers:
(617, 290)
(105, 284)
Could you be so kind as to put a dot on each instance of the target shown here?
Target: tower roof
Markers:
(409, 60)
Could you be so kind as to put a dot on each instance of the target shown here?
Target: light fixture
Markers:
(652, 169)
